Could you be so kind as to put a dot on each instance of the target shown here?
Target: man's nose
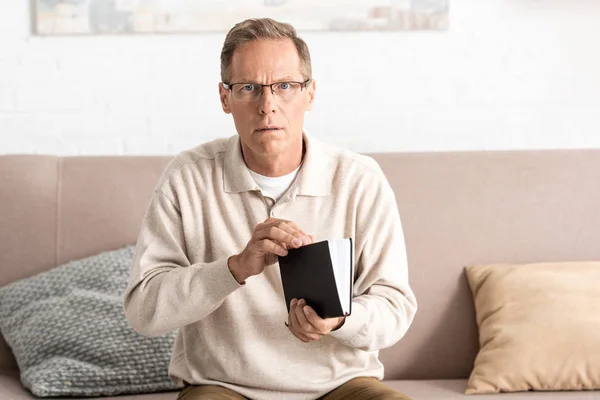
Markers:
(267, 102)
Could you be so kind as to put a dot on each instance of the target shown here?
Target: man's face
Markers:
(270, 125)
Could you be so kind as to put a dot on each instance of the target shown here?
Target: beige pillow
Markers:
(539, 326)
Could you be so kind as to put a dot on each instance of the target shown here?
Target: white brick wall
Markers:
(507, 75)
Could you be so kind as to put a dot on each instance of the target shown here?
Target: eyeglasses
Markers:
(249, 92)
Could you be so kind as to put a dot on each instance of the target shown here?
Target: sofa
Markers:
(457, 209)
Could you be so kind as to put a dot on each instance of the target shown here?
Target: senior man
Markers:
(221, 214)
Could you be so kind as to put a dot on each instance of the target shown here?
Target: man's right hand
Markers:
(270, 239)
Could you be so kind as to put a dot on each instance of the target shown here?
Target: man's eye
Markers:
(248, 88)
(284, 86)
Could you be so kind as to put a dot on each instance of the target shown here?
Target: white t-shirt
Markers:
(274, 187)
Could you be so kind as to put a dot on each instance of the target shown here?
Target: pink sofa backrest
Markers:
(457, 209)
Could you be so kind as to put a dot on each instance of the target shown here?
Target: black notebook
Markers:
(322, 273)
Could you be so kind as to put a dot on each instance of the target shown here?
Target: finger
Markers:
(292, 323)
(300, 336)
(277, 221)
(267, 246)
(291, 224)
(293, 319)
(281, 233)
(306, 326)
(267, 224)
(320, 325)
(306, 238)
(296, 228)
(303, 336)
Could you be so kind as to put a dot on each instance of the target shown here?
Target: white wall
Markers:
(508, 74)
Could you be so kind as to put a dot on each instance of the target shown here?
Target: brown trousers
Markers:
(355, 389)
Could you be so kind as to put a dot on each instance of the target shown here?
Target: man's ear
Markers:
(224, 96)
(312, 86)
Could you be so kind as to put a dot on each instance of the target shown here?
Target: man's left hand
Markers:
(306, 324)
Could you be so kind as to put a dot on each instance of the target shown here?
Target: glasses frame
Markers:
(229, 86)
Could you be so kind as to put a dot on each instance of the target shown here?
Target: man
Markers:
(206, 257)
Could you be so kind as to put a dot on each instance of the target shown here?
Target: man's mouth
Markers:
(268, 128)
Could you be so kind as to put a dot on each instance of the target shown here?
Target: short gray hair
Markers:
(262, 28)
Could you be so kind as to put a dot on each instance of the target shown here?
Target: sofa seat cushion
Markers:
(12, 389)
(448, 389)
(454, 389)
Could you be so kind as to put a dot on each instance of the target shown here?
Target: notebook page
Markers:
(342, 269)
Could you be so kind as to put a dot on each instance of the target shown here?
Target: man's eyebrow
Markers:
(284, 78)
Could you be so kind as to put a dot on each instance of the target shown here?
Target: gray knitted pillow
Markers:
(68, 332)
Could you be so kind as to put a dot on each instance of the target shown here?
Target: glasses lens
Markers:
(246, 92)
(286, 91)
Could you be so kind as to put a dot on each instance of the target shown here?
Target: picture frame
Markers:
(101, 17)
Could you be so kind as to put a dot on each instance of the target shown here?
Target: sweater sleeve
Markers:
(166, 292)
(384, 305)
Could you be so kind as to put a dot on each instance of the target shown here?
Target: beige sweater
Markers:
(204, 210)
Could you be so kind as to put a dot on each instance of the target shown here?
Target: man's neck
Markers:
(279, 165)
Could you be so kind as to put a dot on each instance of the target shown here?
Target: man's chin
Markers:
(270, 143)
(266, 137)
(270, 147)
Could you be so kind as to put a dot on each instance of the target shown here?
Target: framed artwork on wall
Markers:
(93, 17)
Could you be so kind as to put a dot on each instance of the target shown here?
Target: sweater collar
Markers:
(314, 177)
